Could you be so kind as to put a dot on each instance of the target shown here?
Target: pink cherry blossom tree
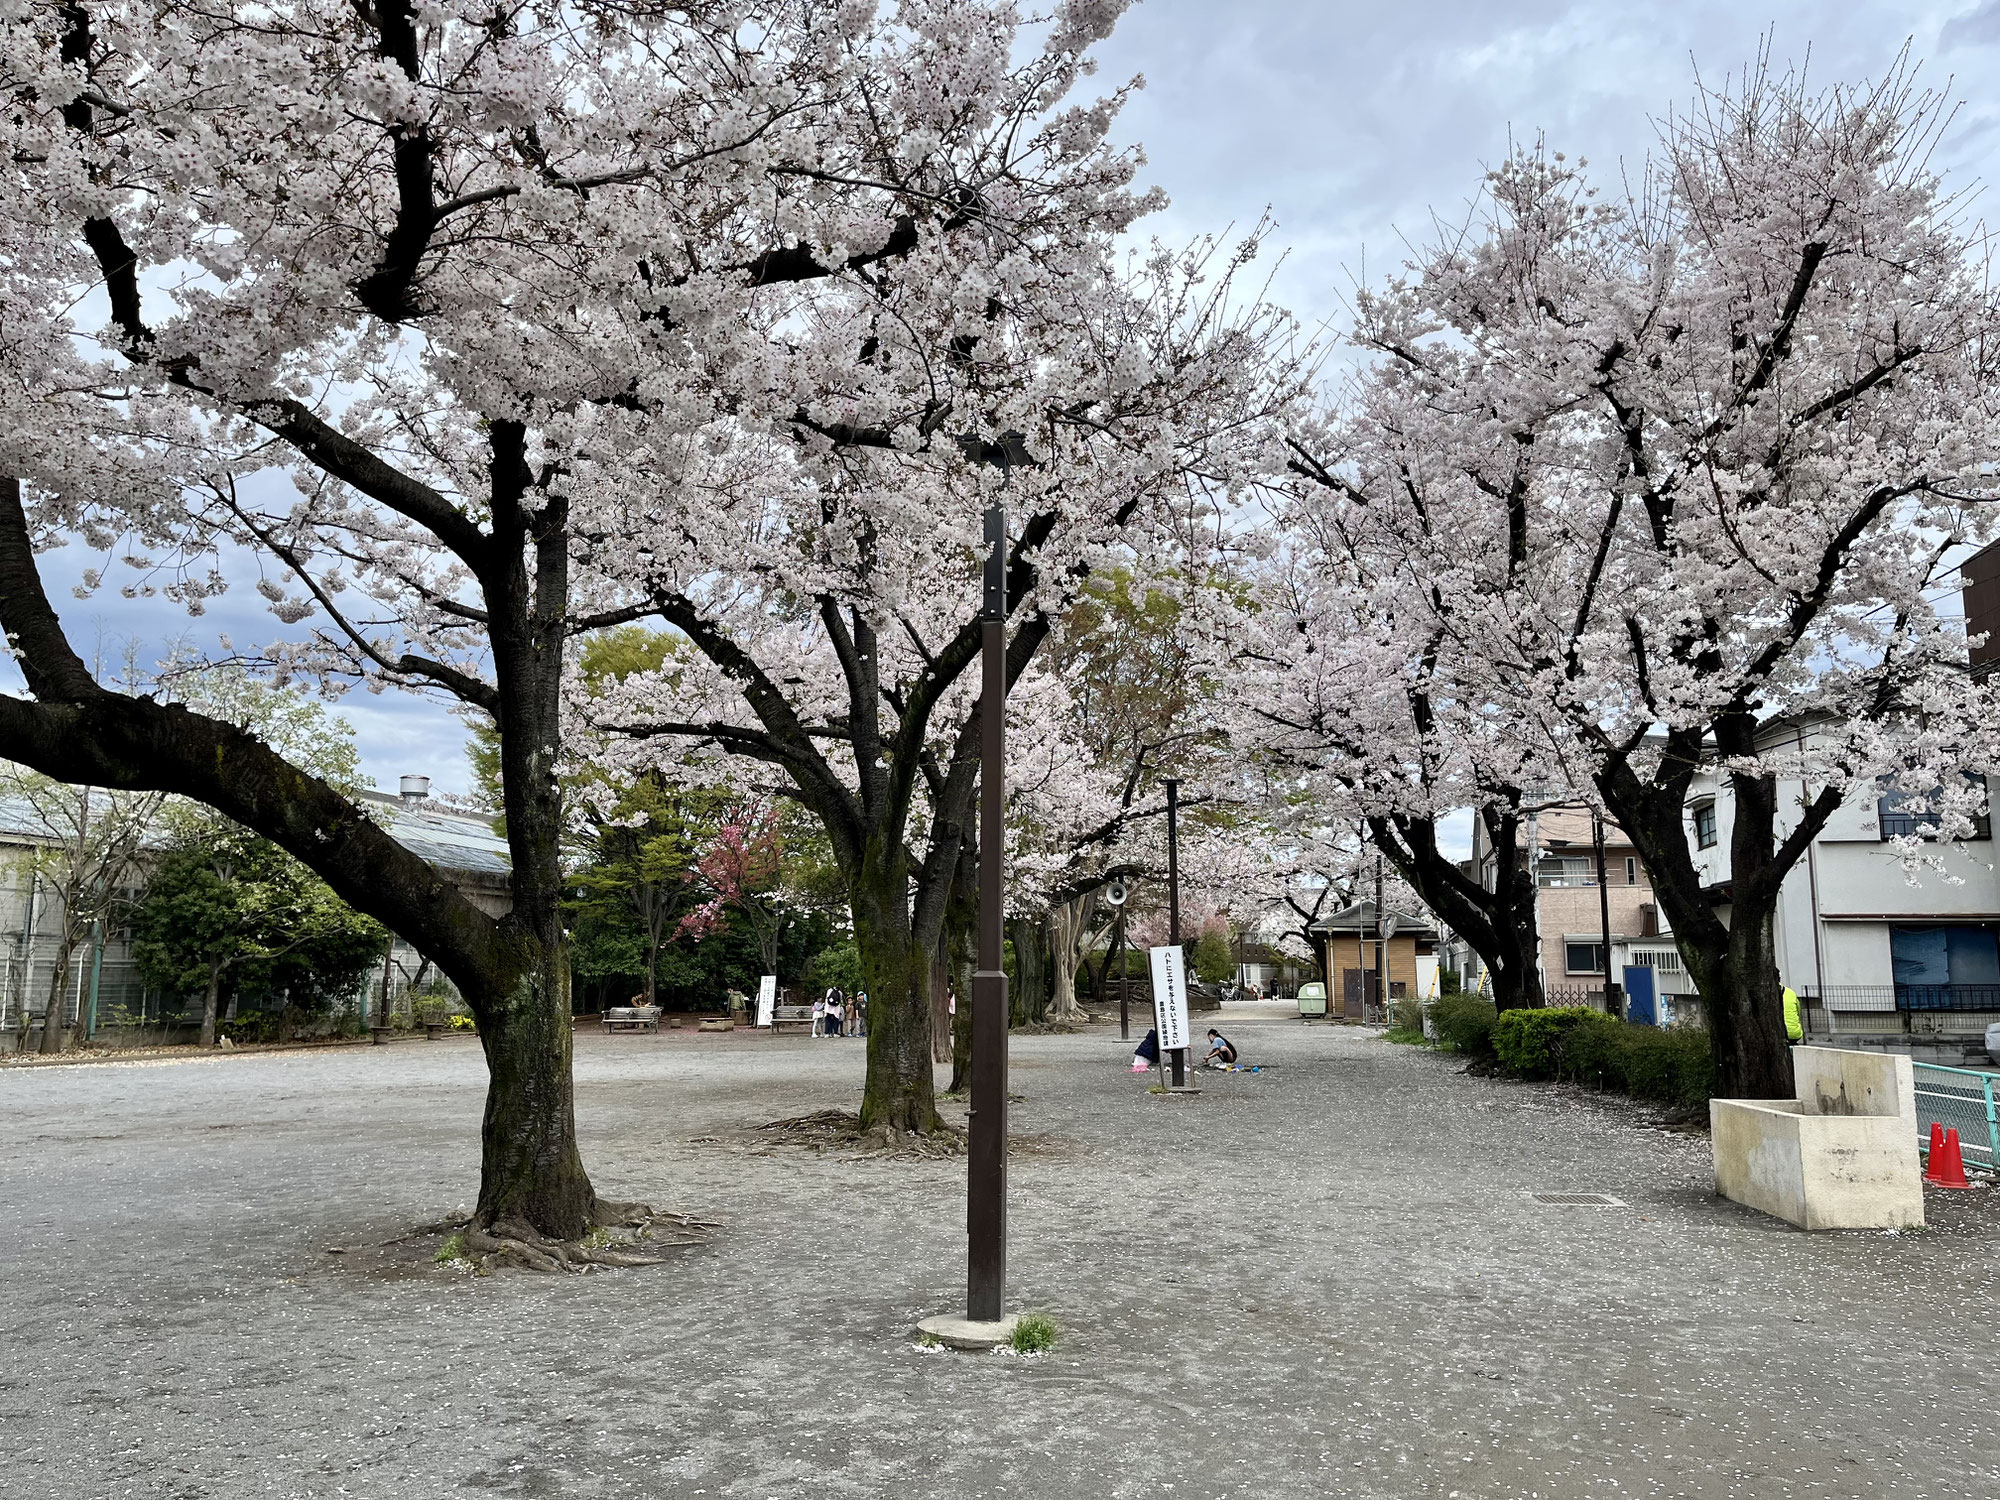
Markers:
(820, 553)
(437, 309)
(1660, 473)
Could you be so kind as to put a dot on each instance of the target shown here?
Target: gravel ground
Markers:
(1328, 1278)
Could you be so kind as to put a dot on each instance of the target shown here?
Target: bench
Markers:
(790, 1015)
(632, 1018)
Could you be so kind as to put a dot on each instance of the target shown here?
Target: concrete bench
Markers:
(790, 1015)
(632, 1018)
(1842, 1155)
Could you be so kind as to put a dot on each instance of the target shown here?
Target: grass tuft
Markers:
(1035, 1333)
(452, 1249)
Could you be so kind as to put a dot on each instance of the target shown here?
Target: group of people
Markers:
(838, 1014)
(1221, 1052)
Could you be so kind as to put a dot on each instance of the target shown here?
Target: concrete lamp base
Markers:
(963, 1333)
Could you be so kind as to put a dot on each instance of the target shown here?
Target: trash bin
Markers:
(1312, 1000)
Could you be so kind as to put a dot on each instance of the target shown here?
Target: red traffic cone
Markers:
(1951, 1171)
(1934, 1158)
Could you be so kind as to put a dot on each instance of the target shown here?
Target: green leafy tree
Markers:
(234, 910)
(1213, 963)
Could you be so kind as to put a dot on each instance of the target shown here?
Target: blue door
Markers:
(1639, 1007)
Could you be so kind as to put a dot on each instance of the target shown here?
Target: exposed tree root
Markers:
(839, 1129)
(626, 1234)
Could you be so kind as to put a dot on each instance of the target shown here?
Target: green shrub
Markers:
(1593, 1052)
(1529, 1042)
(1675, 1065)
(1465, 1023)
(1406, 1014)
(1671, 1065)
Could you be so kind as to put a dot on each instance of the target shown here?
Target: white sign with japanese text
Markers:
(1170, 1007)
(767, 998)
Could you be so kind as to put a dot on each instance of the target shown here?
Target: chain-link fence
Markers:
(1960, 1099)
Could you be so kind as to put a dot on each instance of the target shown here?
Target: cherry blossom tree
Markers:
(1348, 684)
(416, 303)
(1663, 471)
(821, 555)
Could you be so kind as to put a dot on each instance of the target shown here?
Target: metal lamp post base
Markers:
(974, 1337)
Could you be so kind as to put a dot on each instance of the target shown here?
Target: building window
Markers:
(1902, 815)
(1946, 968)
(1583, 958)
(1704, 825)
(1631, 870)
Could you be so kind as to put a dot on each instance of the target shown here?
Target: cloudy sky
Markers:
(1352, 123)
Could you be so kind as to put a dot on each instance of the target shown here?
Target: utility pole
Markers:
(986, 1165)
(1124, 990)
(1614, 999)
(1174, 900)
(1381, 944)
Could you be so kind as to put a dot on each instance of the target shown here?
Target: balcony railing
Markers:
(1911, 997)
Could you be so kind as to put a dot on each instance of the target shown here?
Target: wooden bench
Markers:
(790, 1015)
(632, 1018)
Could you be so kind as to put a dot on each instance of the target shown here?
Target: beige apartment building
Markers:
(1561, 849)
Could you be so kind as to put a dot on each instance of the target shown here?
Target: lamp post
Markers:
(1614, 1000)
(1174, 900)
(986, 1176)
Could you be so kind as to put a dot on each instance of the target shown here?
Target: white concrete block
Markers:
(1843, 1155)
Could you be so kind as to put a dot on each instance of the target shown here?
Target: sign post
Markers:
(1174, 929)
(1170, 1008)
(767, 999)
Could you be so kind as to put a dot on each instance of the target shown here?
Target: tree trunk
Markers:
(1499, 924)
(901, 1091)
(1068, 923)
(530, 1170)
(769, 937)
(1027, 997)
(52, 1018)
(209, 1005)
(945, 1006)
(961, 1022)
(1733, 963)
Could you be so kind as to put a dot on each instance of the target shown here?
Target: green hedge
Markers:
(1529, 1042)
(1672, 1064)
(1464, 1023)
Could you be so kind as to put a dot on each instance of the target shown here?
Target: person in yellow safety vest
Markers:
(1794, 1031)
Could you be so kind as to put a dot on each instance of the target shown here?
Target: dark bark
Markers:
(1733, 962)
(1029, 994)
(1498, 924)
(209, 997)
(901, 1092)
(958, 947)
(53, 1016)
(513, 972)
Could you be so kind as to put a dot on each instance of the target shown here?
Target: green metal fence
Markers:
(1960, 1099)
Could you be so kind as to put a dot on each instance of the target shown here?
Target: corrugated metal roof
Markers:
(439, 835)
(445, 837)
(1360, 918)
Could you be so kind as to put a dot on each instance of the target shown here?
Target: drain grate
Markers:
(1580, 1200)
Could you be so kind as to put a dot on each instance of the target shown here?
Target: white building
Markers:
(1878, 948)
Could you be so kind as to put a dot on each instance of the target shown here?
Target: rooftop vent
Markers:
(416, 788)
